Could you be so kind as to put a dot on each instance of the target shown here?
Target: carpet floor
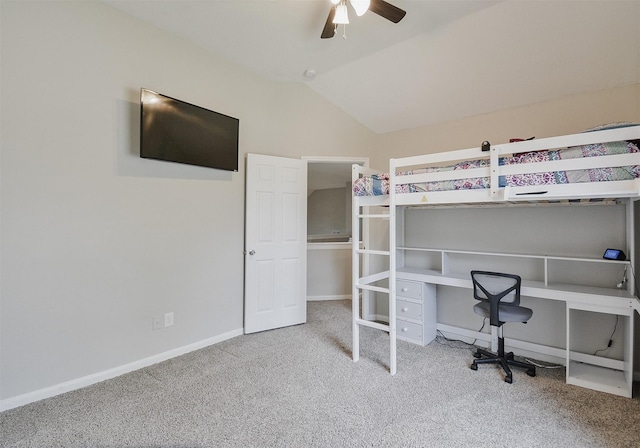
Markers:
(298, 387)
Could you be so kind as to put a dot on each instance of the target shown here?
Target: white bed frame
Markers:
(368, 281)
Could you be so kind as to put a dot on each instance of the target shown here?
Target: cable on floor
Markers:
(543, 366)
(443, 340)
(465, 345)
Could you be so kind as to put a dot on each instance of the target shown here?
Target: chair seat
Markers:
(507, 313)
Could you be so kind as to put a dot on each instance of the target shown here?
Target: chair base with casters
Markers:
(499, 296)
(504, 359)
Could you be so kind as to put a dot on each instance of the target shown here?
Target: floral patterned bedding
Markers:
(379, 184)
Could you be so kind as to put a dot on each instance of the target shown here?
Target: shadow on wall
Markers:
(327, 215)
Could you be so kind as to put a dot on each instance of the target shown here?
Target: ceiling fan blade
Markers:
(387, 10)
(329, 29)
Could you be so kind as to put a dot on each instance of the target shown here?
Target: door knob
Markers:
(252, 252)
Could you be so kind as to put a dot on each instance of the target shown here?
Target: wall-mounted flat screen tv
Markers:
(176, 131)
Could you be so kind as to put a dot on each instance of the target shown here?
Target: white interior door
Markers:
(275, 243)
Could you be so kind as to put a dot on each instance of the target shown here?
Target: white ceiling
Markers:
(446, 60)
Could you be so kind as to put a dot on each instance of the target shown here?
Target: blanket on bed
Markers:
(379, 184)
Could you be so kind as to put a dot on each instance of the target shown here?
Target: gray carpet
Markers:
(297, 387)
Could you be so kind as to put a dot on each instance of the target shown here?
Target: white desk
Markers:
(594, 372)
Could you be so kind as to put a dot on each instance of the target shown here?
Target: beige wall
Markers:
(95, 240)
(328, 271)
(565, 115)
(326, 212)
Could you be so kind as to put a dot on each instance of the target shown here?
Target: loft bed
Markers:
(599, 164)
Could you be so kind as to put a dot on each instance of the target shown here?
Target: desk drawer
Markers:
(409, 310)
(409, 289)
(409, 330)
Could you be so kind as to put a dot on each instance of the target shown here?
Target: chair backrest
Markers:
(504, 288)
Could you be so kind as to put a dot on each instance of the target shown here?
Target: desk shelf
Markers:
(600, 373)
(586, 285)
(548, 269)
(598, 378)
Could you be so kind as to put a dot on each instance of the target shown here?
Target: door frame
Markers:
(364, 161)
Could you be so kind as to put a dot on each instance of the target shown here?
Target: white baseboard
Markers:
(319, 298)
(79, 383)
(521, 348)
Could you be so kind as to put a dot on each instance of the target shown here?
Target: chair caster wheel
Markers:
(477, 355)
(508, 379)
(473, 366)
(531, 372)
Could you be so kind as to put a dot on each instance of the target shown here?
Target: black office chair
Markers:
(499, 296)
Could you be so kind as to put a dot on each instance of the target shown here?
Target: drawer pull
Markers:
(405, 289)
(405, 329)
(405, 309)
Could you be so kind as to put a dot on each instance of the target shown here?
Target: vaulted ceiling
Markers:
(446, 60)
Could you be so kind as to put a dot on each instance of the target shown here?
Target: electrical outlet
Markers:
(168, 319)
(157, 322)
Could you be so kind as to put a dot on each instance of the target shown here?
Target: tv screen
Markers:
(175, 131)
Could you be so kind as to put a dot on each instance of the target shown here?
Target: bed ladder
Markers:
(364, 282)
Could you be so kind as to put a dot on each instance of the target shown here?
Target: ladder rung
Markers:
(373, 252)
(368, 323)
(372, 288)
(373, 278)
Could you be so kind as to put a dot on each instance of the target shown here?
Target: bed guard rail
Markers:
(429, 168)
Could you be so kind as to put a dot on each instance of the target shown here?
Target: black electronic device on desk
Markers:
(614, 254)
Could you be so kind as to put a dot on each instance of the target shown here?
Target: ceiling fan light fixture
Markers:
(338, 14)
(341, 17)
(360, 6)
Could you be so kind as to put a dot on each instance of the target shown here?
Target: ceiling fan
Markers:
(338, 14)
